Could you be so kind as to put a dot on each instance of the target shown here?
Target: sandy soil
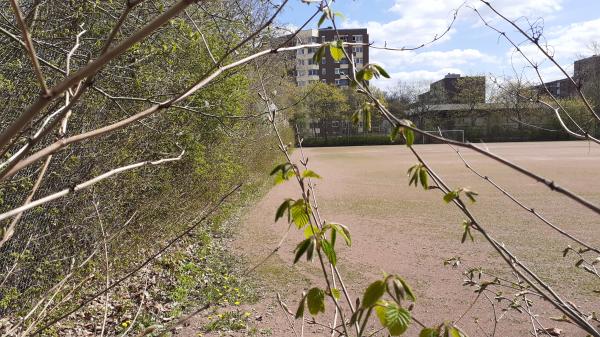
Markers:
(407, 231)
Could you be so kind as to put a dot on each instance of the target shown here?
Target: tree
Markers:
(325, 103)
(98, 115)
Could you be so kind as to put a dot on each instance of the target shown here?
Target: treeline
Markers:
(68, 249)
(333, 116)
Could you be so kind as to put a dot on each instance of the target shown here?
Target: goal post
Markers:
(454, 134)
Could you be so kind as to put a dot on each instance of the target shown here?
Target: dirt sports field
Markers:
(408, 231)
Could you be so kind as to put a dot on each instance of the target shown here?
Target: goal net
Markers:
(456, 134)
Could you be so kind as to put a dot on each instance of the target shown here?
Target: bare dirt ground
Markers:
(408, 231)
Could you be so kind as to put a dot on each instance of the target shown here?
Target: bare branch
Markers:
(84, 185)
(29, 47)
(169, 244)
(89, 70)
(547, 55)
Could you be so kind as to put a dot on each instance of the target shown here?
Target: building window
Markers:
(339, 71)
(314, 39)
(312, 72)
(359, 60)
(357, 38)
(301, 51)
(311, 61)
(300, 62)
(341, 82)
(357, 49)
(335, 124)
(323, 71)
(324, 60)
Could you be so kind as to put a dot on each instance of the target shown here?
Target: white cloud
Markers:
(429, 66)
(573, 40)
(420, 21)
(417, 78)
(567, 44)
(430, 59)
(410, 23)
(514, 9)
(511, 8)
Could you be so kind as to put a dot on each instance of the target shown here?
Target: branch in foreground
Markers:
(56, 146)
(29, 45)
(84, 185)
(522, 205)
(535, 41)
(89, 70)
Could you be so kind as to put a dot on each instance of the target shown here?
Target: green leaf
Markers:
(315, 298)
(423, 176)
(355, 117)
(407, 289)
(310, 250)
(300, 310)
(470, 194)
(393, 317)
(333, 238)
(414, 172)
(373, 293)
(367, 118)
(310, 174)
(381, 71)
(322, 19)
(318, 56)
(336, 293)
(285, 206)
(340, 15)
(360, 75)
(367, 75)
(336, 50)
(467, 231)
(300, 213)
(429, 332)
(343, 230)
(409, 136)
(394, 133)
(301, 248)
(311, 231)
(329, 251)
(453, 332)
(355, 315)
(280, 167)
(450, 196)
(283, 176)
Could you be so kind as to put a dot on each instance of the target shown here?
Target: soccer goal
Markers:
(456, 134)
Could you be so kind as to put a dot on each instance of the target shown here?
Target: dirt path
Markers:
(407, 231)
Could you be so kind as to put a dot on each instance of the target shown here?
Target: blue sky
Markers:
(470, 48)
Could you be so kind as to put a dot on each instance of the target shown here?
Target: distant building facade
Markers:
(455, 89)
(328, 70)
(586, 74)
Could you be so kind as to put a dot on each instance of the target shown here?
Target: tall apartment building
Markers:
(328, 70)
